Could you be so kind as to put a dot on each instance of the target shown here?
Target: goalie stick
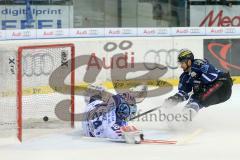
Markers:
(134, 136)
(147, 141)
(180, 141)
(157, 141)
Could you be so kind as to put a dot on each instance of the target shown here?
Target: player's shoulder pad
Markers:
(199, 62)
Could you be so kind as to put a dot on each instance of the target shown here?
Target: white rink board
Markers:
(136, 48)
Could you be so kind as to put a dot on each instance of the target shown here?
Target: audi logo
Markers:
(26, 33)
(93, 32)
(157, 58)
(162, 31)
(195, 30)
(37, 64)
(111, 46)
(230, 30)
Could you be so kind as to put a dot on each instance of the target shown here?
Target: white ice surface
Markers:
(219, 139)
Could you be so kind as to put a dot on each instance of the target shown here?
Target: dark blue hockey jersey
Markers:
(201, 72)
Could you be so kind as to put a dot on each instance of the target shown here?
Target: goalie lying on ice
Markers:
(109, 115)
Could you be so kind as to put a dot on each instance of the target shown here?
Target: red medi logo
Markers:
(220, 20)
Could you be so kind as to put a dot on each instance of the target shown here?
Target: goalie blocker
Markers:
(132, 135)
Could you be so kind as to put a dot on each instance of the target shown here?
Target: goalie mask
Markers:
(126, 111)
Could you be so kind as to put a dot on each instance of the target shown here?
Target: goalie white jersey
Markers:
(107, 125)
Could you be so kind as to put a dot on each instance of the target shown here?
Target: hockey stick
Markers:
(148, 141)
(153, 141)
(144, 113)
(190, 137)
(182, 141)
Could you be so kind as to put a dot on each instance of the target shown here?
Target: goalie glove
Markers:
(131, 134)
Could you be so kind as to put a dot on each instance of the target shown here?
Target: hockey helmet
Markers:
(184, 55)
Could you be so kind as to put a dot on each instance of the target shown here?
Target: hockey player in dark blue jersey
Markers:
(209, 85)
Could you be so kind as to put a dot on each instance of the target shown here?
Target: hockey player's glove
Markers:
(173, 100)
(199, 87)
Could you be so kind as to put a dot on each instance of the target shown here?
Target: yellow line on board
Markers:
(121, 84)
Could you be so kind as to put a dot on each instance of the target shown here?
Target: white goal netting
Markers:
(26, 99)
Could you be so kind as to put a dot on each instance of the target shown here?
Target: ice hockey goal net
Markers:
(27, 100)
